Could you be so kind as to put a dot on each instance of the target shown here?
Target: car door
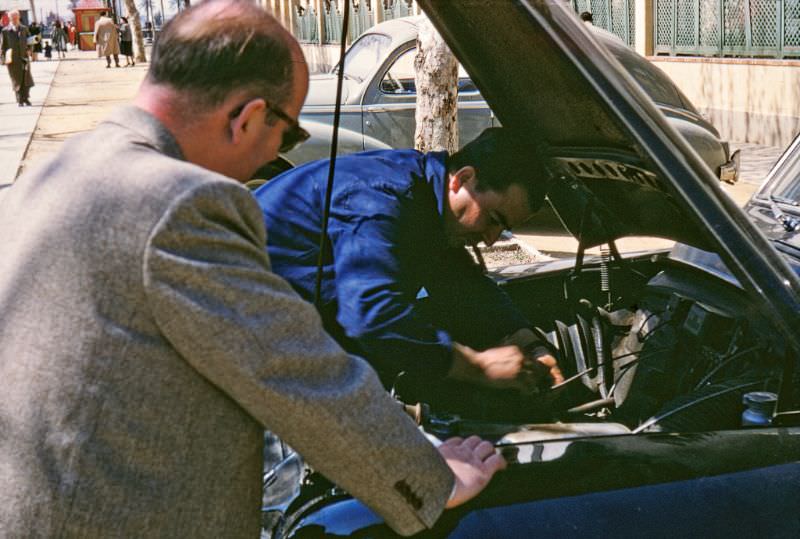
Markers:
(390, 103)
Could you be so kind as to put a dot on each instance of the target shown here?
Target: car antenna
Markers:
(323, 240)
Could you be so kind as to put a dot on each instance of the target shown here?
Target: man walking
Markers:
(15, 54)
(106, 39)
(144, 341)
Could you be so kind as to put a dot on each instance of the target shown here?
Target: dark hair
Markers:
(586, 16)
(241, 47)
(501, 158)
(103, 13)
(124, 19)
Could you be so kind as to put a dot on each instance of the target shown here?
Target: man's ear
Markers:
(242, 124)
(461, 177)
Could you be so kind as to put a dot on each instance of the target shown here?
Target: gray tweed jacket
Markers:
(144, 344)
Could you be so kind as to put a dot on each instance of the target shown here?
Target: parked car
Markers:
(680, 416)
(379, 99)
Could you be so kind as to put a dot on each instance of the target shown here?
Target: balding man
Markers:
(144, 342)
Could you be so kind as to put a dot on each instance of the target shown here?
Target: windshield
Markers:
(365, 55)
(786, 183)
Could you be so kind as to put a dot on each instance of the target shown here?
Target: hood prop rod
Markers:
(337, 114)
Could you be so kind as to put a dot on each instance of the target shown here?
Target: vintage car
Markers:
(680, 415)
(379, 97)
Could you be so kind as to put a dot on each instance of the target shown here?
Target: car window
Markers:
(365, 54)
(399, 78)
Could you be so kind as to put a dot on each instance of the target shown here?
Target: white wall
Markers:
(747, 100)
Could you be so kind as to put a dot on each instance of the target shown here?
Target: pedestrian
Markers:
(106, 39)
(126, 41)
(16, 56)
(35, 32)
(60, 39)
(73, 35)
(144, 341)
(48, 50)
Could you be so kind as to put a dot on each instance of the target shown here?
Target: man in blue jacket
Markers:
(399, 287)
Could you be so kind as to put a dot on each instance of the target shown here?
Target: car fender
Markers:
(318, 146)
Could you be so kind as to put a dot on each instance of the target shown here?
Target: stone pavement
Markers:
(17, 123)
(79, 92)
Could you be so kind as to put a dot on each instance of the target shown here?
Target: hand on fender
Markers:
(473, 461)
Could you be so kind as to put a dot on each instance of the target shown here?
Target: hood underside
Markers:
(565, 88)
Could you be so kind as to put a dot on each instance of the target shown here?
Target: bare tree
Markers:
(437, 92)
(136, 22)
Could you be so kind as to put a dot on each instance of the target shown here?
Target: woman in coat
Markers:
(126, 41)
(60, 39)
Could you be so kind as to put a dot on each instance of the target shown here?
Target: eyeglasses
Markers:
(292, 136)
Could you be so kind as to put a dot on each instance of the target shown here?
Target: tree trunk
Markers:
(138, 37)
(437, 92)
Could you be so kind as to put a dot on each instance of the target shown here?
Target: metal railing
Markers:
(764, 28)
(616, 16)
(306, 28)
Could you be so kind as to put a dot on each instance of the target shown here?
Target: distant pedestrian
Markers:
(35, 32)
(126, 41)
(586, 17)
(106, 39)
(15, 54)
(72, 34)
(48, 50)
(60, 39)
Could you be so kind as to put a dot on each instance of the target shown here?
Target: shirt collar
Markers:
(436, 174)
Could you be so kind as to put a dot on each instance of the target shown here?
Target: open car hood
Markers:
(619, 167)
(565, 87)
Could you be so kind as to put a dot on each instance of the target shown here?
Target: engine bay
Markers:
(646, 344)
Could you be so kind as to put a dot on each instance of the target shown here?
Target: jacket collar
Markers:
(436, 174)
(149, 128)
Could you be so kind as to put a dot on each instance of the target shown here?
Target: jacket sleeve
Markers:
(243, 328)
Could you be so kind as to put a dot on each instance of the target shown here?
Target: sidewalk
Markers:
(17, 123)
(77, 93)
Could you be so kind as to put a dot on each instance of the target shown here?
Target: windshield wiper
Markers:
(790, 224)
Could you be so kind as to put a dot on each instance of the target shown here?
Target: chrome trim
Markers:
(392, 107)
(327, 109)
(729, 172)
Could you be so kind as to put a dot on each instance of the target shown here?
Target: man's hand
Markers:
(473, 462)
(496, 367)
(504, 367)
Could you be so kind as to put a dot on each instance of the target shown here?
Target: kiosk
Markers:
(86, 13)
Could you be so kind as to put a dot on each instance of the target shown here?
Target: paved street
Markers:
(73, 95)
